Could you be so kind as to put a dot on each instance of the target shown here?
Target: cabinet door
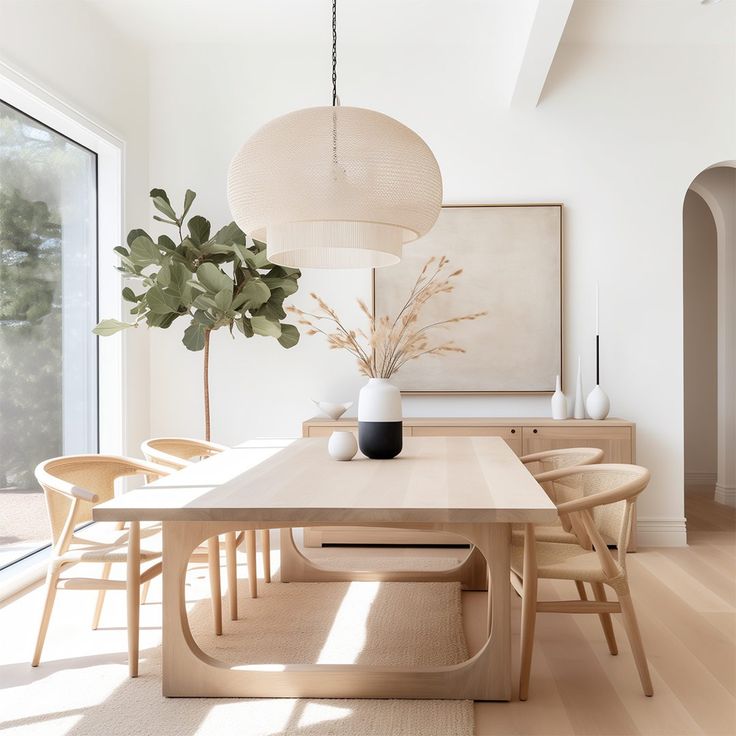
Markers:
(512, 435)
(616, 442)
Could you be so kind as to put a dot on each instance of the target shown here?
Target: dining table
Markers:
(474, 487)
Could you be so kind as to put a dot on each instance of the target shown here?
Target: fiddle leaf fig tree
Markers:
(210, 280)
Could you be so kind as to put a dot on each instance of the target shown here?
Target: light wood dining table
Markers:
(474, 487)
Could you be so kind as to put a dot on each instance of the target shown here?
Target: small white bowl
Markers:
(342, 446)
(332, 410)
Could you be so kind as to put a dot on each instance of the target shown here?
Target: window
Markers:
(48, 305)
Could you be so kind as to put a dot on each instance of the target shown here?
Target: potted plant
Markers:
(212, 281)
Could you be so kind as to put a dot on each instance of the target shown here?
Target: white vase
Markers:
(597, 404)
(559, 402)
(579, 411)
(332, 410)
(342, 446)
(380, 420)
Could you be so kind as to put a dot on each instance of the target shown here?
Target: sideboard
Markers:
(616, 437)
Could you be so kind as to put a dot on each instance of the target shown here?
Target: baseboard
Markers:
(661, 532)
(726, 495)
(697, 478)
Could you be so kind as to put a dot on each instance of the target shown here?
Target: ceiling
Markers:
(157, 22)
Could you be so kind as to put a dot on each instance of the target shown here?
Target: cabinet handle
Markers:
(535, 431)
(513, 431)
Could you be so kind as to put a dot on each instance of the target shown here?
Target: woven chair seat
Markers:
(559, 561)
(101, 543)
(550, 533)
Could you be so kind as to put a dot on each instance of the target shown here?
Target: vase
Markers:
(380, 422)
(597, 403)
(559, 402)
(342, 446)
(579, 411)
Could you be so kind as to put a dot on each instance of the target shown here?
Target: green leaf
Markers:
(188, 199)
(162, 204)
(194, 336)
(288, 285)
(229, 235)
(202, 318)
(252, 295)
(122, 251)
(199, 229)
(158, 302)
(166, 220)
(163, 277)
(166, 243)
(109, 327)
(266, 327)
(289, 336)
(223, 299)
(129, 295)
(136, 233)
(213, 279)
(144, 252)
(244, 326)
(204, 301)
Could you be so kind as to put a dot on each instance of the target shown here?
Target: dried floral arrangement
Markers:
(389, 342)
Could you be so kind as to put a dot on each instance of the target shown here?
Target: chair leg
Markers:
(600, 595)
(133, 593)
(528, 622)
(266, 551)
(213, 560)
(101, 596)
(250, 549)
(637, 647)
(580, 585)
(51, 579)
(144, 592)
(232, 574)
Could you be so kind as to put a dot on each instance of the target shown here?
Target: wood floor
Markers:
(686, 603)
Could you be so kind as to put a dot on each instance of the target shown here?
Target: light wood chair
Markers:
(178, 453)
(564, 530)
(603, 503)
(72, 486)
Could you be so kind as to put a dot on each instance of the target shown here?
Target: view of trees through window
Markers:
(48, 377)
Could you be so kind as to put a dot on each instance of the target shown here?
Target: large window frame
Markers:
(30, 99)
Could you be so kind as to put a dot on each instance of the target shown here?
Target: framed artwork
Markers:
(511, 256)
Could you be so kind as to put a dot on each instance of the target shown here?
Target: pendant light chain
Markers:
(334, 53)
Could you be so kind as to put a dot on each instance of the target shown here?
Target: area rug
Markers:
(367, 623)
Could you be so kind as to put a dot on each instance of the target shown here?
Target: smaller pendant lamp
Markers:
(335, 187)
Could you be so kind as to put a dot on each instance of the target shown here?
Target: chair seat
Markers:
(103, 543)
(551, 533)
(559, 561)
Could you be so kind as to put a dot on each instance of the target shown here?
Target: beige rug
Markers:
(366, 623)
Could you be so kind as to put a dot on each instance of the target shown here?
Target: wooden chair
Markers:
(604, 503)
(178, 453)
(73, 486)
(564, 531)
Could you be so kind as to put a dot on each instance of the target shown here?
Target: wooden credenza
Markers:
(617, 439)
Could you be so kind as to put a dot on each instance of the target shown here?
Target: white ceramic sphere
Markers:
(597, 404)
(342, 446)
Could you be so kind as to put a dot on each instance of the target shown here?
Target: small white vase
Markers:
(342, 446)
(597, 404)
(559, 402)
(579, 411)
(380, 420)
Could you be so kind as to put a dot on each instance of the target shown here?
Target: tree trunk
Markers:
(207, 384)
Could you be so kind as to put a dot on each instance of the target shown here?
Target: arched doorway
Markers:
(709, 313)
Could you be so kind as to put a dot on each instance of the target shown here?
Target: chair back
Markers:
(178, 452)
(605, 506)
(73, 485)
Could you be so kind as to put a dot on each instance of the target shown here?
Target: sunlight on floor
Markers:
(349, 628)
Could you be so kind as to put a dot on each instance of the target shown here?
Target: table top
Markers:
(435, 479)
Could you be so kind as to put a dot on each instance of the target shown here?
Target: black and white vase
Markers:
(380, 422)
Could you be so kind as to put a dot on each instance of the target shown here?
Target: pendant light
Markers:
(335, 187)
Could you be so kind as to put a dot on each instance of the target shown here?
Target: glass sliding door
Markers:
(48, 305)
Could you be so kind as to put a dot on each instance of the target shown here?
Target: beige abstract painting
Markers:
(511, 256)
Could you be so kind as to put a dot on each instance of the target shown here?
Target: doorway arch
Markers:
(716, 185)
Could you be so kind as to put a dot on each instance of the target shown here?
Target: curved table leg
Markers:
(189, 672)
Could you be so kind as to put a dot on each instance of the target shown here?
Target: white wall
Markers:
(618, 136)
(700, 273)
(67, 49)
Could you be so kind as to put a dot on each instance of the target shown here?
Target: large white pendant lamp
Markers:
(335, 187)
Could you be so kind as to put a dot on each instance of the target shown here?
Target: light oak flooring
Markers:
(686, 602)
